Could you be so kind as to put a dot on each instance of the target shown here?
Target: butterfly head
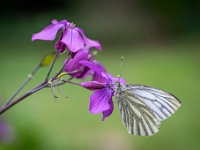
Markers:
(118, 86)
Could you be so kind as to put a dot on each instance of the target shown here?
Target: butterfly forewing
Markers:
(142, 108)
(161, 103)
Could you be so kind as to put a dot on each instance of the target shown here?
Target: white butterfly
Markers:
(142, 108)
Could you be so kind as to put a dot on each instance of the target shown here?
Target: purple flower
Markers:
(71, 36)
(103, 86)
(77, 70)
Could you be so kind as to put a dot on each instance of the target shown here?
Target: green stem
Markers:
(8, 106)
(49, 72)
(29, 77)
(64, 65)
(67, 81)
(11, 103)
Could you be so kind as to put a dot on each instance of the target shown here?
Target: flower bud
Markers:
(93, 85)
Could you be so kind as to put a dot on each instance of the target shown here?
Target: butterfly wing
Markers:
(136, 116)
(142, 108)
(161, 103)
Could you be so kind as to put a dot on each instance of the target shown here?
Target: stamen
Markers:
(94, 53)
(52, 83)
(71, 25)
(52, 89)
(61, 91)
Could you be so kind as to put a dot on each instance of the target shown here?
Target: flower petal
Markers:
(73, 40)
(84, 74)
(88, 41)
(59, 46)
(74, 64)
(99, 101)
(99, 74)
(54, 21)
(91, 65)
(49, 33)
(109, 111)
(101, 77)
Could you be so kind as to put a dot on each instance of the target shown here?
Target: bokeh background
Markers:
(160, 43)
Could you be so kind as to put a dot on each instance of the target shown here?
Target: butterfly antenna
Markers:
(121, 63)
(120, 71)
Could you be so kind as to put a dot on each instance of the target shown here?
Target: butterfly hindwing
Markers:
(137, 116)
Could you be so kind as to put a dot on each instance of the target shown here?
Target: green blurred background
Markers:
(160, 43)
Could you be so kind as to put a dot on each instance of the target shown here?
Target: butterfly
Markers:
(142, 108)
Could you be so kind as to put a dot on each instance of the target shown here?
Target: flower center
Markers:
(71, 25)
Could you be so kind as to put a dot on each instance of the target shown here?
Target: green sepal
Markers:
(47, 59)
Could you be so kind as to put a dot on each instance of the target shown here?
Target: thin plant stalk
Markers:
(64, 65)
(52, 65)
(29, 77)
(11, 104)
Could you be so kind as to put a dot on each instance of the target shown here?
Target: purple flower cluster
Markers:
(83, 64)
(71, 37)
